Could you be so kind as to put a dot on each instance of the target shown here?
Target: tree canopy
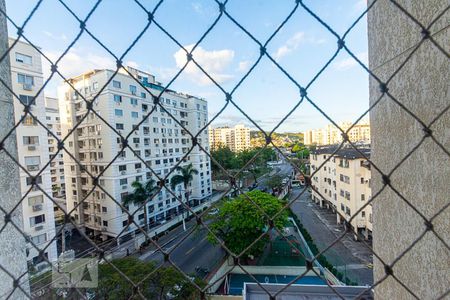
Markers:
(239, 222)
(165, 283)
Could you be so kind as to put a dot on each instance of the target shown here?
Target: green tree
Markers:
(186, 176)
(225, 157)
(239, 222)
(164, 283)
(140, 196)
(274, 182)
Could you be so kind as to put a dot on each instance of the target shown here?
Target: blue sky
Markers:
(302, 47)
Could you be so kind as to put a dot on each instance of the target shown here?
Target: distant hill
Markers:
(281, 139)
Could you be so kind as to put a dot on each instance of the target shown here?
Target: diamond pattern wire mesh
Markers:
(152, 20)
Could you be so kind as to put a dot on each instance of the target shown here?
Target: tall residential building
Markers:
(332, 135)
(53, 123)
(343, 185)
(33, 152)
(159, 141)
(236, 138)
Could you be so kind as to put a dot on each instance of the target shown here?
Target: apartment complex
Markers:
(33, 153)
(236, 138)
(53, 123)
(159, 141)
(343, 185)
(332, 135)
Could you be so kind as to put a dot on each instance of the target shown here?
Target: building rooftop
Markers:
(345, 152)
(253, 291)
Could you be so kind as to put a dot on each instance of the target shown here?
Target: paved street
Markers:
(283, 170)
(350, 257)
(194, 251)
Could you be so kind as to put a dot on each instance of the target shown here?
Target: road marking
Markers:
(190, 250)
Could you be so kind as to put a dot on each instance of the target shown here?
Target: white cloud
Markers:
(132, 64)
(244, 65)
(360, 6)
(55, 37)
(290, 45)
(76, 62)
(213, 62)
(350, 62)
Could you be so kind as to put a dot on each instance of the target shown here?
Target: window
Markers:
(37, 220)
(363, 214)
(134, 101)
(116, 84)
(134, 114)
(143, 95)
(31, 140)
(118, 112)
(29, 121)
(122, 168)
(27, 100)
(25, 79)
(133, 89)
(35, 200)
(198, 106)
(137, 166)
(117, 98)
(32, 162)
(155, 119)
(119, 126)
(104, 209)
(123, 181)
(363, 197)
(105, 223)
(39, 239)
(22, 58)
(362, 180)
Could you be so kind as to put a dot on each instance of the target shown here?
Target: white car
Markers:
(213, 212)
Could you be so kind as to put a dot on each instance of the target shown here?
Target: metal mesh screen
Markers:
(153, 20)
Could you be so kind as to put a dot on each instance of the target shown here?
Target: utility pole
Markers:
(12, 242)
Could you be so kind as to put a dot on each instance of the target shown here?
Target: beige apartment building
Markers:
(343, 185)
(236, 138)
(330, 134)
(33, 153)
(159, 141)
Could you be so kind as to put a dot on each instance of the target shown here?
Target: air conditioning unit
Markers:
(40, 227)
(124, 187)
(37, 207)
(104, 228)
(136, 145)
(138, 170)
(27, 86)
(31, 148)
(123, 172)
(33, 168)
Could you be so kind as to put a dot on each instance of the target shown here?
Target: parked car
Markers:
(213, 212)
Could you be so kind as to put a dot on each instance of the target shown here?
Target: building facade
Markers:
(332, 135)
(236, 138)
(53, 123)
(159, 141)
(343, 184)
(33, 153)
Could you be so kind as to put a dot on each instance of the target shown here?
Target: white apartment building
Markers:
(331, 135)
(236, 138)
(343, 185)
(53, 123)
(33, 154)
(160, 141)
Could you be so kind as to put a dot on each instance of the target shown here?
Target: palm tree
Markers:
(186, 176)
(140, 196)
